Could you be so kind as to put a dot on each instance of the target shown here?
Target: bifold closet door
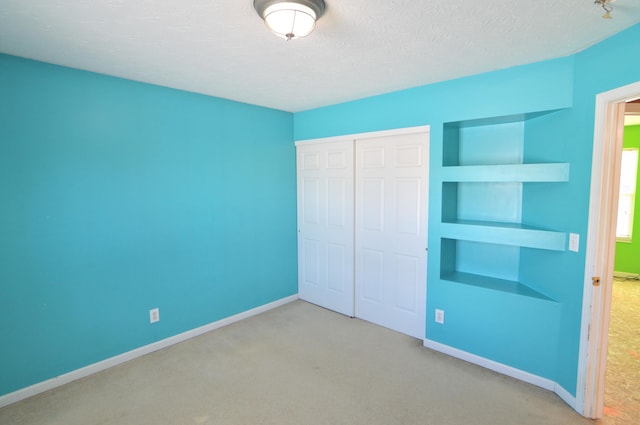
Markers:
(391, 231)
(325, 184)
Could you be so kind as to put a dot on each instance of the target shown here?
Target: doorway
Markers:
(622, 375)
(600, 256)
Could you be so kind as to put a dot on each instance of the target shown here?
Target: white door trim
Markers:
(600, 250)
(367, 135)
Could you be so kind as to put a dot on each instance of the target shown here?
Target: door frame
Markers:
(367, 135)
(600, 250)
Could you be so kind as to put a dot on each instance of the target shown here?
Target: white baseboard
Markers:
(566, 397)
(58, 381)
(521, 375)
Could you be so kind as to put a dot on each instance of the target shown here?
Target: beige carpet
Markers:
(298, 364)
(622, 379)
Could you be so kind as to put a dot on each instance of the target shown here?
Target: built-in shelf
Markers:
(495, 284)
(514, 234)
(496, 180)
(557, 172)
(488, 174)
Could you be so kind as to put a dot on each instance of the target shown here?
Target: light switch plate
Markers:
(574, 242)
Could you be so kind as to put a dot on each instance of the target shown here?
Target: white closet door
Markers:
(325, 180)
(391, 231)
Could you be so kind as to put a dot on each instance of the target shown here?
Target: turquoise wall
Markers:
(538, 334)
(518, 331)
(488, 145)
(117, 197)
(628, 253)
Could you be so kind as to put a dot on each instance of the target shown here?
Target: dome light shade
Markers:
(290, 19)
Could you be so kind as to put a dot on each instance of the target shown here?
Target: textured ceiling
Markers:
(359, 48)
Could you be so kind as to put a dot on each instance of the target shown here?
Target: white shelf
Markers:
(514, 234)
(509, 286)
(556, 172)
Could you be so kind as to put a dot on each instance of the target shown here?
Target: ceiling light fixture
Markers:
(290, 19)
(605, 4)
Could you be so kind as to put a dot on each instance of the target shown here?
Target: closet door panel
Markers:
(372, 269)
(325, 174)
(362, 228)
(391, 221)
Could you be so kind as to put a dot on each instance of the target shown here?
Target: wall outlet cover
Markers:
(154, 315)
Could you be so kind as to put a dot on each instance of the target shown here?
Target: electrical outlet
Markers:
(154, 315)
(439, 316)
